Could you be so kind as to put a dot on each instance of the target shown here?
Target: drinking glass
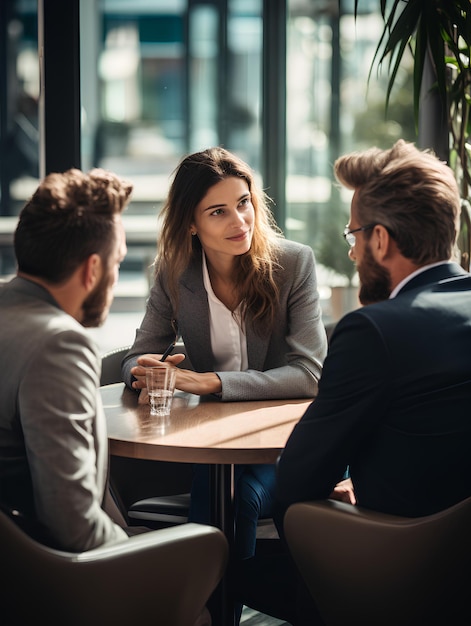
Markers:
(160, 380)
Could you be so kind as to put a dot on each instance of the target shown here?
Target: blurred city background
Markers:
(285, 90)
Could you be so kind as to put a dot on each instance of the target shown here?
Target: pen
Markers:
(168, 351)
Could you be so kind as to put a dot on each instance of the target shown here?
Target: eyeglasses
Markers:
(350, 237)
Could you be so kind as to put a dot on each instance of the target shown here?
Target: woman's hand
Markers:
(148, 360)
(199, 383)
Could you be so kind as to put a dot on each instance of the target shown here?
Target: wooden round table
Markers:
(203, 430)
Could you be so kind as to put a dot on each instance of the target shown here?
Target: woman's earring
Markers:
(193, 233)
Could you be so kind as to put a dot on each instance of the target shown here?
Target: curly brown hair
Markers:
(69, 217)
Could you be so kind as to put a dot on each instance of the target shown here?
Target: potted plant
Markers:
(438, 33)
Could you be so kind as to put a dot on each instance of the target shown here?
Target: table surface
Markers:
(199, 430)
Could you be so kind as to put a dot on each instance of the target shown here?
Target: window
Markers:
(162, 78)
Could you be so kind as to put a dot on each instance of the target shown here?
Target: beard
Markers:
(97, 304)
(375, 280)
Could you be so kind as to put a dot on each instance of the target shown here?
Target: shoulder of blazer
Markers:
(291, 248)
(292, 254)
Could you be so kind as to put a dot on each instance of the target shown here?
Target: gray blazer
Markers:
(285, 364)
(53, 440)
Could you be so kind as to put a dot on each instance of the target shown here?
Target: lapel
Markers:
(257, 347)
(194, 324)
(193, 317)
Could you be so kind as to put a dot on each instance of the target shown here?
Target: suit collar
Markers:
(34, 289)
(433, 274)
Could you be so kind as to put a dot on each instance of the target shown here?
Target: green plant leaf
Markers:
(419, 61)
(396, 37)
(437, 50)
(438, 31)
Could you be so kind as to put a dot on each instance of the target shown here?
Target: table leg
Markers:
(222, 516)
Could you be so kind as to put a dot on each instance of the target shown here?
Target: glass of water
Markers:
(160, 380)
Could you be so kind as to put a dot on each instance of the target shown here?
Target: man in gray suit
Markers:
(69, 243)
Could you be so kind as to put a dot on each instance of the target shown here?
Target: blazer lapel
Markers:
(257, 347)
(193, 317)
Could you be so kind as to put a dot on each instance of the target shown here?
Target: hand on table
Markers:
(199, 383)
(139, 371)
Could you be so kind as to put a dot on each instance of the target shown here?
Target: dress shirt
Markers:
(228, 340)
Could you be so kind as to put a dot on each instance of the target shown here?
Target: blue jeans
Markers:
(254, 487)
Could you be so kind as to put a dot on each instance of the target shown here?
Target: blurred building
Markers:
(283, 83)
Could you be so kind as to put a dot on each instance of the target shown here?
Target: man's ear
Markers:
(381, 243)
(92, 271)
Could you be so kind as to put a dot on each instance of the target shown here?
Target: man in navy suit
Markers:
(394, 398)
(395, 394)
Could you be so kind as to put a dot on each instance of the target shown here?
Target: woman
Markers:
(245, 302)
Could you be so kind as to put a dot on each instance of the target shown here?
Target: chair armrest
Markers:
(139, 544)
(163, 577)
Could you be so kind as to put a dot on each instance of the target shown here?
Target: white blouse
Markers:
(228, 340)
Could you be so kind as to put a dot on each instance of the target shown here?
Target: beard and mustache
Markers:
(96, 306)
(375, 280)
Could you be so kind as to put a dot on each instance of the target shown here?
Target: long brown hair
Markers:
(255, 270)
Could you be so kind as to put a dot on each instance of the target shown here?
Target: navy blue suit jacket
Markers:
(394, 403)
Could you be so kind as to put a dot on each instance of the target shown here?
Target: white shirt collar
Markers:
(227, 331)
(405, 280)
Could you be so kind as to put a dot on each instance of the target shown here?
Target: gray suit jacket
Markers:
(53, 441)
(285, 364)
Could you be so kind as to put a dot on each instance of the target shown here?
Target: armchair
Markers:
(163, 577)
(369, 568)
